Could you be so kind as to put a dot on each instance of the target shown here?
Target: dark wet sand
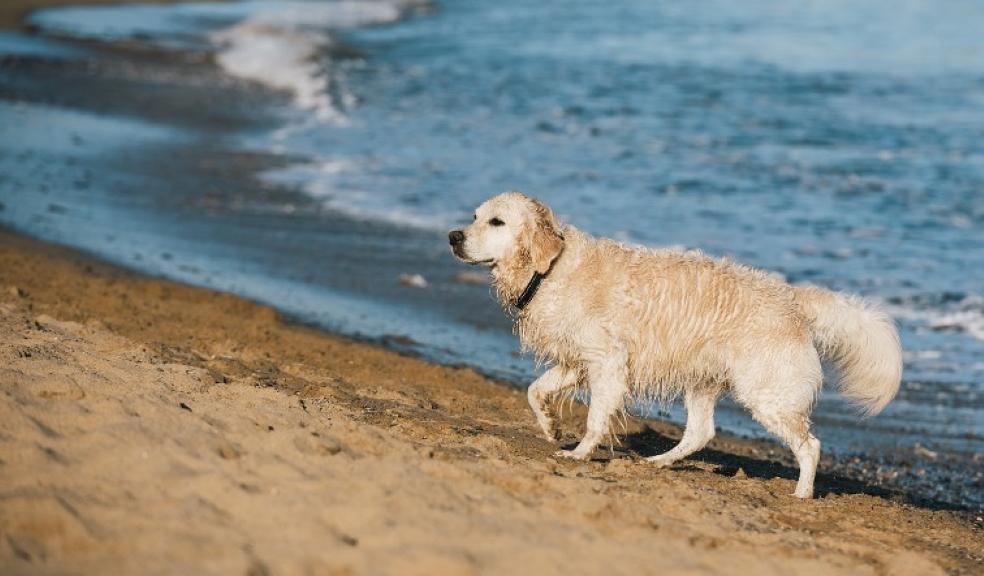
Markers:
(12, 12)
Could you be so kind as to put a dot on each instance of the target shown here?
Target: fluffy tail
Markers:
(860, 340)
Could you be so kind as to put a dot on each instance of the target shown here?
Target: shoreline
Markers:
(13, 13)
(839, 473)
(198, 184)
(107, 330)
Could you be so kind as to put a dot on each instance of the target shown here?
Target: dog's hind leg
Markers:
(780, 396)
(794, 430)
(542, 393)
(608, 386)
(700, 426)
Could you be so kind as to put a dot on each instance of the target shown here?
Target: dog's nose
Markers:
(456, 237)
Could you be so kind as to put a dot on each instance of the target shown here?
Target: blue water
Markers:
(840, 143)
(834, 144)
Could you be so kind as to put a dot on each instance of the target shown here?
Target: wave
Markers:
(274, 43)
(942, 312)
(278, 45)
(319, 179)
(285, 45)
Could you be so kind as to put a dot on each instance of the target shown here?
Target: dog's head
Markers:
(512, 233)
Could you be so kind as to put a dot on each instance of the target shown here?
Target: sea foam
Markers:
(963, 314)
(264, 41)
(278, 43)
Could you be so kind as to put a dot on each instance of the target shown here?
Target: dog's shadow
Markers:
(650, 442)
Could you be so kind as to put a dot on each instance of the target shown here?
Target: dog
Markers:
(655, 324)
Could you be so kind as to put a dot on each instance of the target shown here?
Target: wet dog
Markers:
(648, 324)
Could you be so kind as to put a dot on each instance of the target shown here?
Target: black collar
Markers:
(530, 291)
(534, 284)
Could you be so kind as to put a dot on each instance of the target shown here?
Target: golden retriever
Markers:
(657, 324)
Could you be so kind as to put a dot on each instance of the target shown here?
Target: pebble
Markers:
(413, 280)
(229, 452)
(924, 452)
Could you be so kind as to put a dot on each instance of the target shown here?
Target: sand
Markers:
(148, 427)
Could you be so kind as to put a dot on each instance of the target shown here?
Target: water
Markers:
(840, 143)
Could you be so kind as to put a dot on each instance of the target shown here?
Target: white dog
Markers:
(656, 324)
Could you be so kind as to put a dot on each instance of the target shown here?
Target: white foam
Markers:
(965, 315)
(969, 321)
(267, 41)
(278, 44)
(320, 180)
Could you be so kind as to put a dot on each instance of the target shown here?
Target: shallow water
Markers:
(837, 143)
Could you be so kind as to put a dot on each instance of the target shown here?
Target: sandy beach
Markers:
(149, 427)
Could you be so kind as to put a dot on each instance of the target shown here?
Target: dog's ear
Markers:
(546, 239)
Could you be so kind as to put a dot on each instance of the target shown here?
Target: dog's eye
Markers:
(496, 222)
(474, 216)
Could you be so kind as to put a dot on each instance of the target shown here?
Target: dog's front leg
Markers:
(608, 386)
(542, 394)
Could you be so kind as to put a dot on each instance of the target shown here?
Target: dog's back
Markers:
(691, 319)
(684, 317)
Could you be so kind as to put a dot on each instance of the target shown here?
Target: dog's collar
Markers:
(530, 291)
(534, 284)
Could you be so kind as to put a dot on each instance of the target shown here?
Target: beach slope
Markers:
(149, 427)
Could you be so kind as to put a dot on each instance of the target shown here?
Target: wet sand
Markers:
(153, 427)
(12, 12)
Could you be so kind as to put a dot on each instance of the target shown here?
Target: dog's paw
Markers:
(659, 461)
(548, 429)
(550, 434)
(570, 455)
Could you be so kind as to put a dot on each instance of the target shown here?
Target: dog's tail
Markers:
(860, 340)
